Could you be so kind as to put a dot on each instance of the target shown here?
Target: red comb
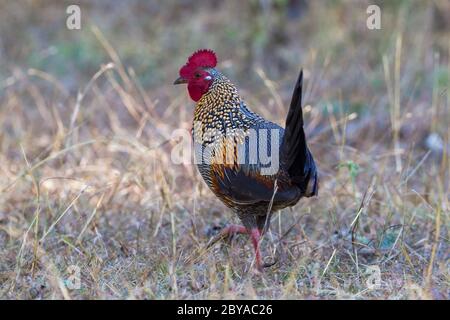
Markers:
(202, 58)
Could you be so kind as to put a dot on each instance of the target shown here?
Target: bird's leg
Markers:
(255, 235)
(226, 232)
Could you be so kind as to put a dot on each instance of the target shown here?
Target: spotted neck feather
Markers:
(221, 108)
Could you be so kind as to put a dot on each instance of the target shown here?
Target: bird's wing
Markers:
(250, 177)
(244, 184)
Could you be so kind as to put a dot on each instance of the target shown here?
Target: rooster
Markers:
(232, 146)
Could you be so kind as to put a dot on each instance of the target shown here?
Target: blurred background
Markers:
(87, 116)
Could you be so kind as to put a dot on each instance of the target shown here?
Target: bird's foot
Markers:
(270, 264)
(227, 232)
(260, 267)
(255, 235)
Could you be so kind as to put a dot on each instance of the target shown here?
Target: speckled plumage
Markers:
(221, 122)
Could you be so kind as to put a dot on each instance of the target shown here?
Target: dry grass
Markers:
(87, 178)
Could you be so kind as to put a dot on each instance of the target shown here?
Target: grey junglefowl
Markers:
(252, 165)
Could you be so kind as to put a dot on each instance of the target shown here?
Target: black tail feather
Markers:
(298, 160)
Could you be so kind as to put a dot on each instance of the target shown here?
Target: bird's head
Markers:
(198, 73)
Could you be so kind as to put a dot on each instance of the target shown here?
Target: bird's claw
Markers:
(226, 233)
(215, 239)
(261, 266)
(270, 264)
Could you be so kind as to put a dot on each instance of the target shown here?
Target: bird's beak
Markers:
(180, 80)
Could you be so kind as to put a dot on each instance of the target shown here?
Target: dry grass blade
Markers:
(50, 229)
(99, 203)
(82, 94)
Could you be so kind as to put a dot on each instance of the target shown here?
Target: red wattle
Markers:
(195, 92)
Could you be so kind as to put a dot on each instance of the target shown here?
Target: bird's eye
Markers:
(198, 75)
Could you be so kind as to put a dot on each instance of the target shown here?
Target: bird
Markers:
(254, 166)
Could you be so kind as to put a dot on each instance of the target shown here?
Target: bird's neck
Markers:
(218, 103)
